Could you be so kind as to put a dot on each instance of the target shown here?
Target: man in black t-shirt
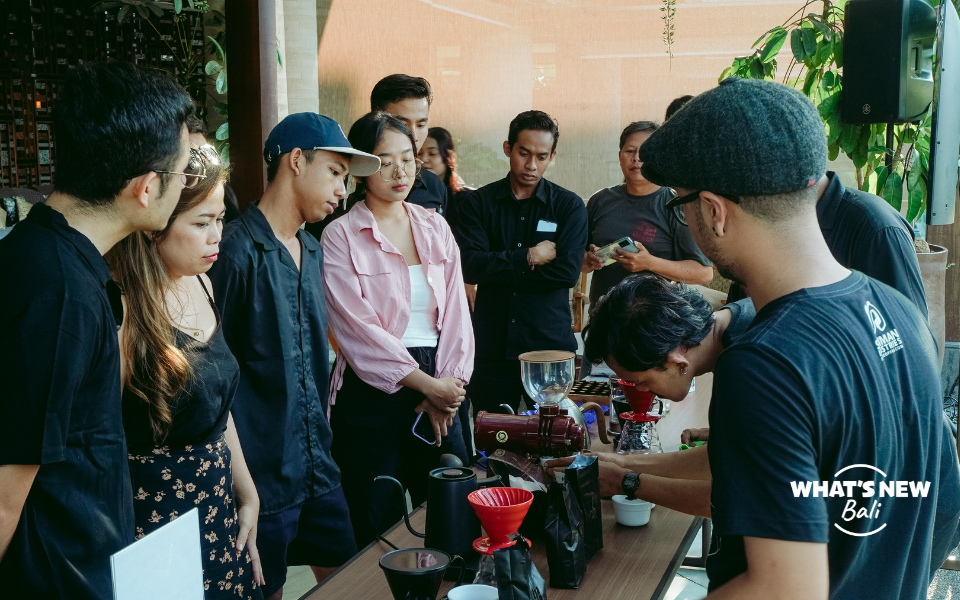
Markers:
(865, 234)
(833, 471)
(65, 498)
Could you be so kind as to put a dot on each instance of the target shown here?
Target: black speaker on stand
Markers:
(888, 50)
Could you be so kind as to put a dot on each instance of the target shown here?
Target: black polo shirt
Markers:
(866, 234)
(275, 322)
(60, 401)
(429, 192)
(519, 309)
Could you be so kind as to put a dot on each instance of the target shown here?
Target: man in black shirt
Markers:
(269, 285)
(409, 99)
(523, 239)
(832, 396)
(65, 498)
(865, 234)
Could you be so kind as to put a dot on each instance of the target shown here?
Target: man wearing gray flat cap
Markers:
(834, 474)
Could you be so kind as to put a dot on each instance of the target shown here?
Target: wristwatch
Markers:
(631, 483)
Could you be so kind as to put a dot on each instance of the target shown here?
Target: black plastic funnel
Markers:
(415, 573)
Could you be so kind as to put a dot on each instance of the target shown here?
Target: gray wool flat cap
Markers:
(745, 137)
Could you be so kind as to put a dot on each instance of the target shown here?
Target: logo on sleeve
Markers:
(887, 342)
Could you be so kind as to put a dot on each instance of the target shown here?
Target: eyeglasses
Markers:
(389, 171)
(197, 167)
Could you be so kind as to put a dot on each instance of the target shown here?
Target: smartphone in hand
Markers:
(607, 254)
(423, 429)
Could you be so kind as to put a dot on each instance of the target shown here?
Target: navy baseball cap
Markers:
(310, 131)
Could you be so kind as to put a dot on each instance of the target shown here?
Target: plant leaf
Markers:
(838, 49)
(220, 53)
(808, 82)
(828, 105)
(881, 179)
(913, 176)
(848, 138)
(142, 11)
(916, 200)
(829, 78)
(220, 108)
(221, 84)
(178, 6)
(773, 45)
(834, 129)
(796, 44)
(223, 132)
(768, 32)
(834, 151)
(809, 42)
(724, 74)
(192, 5)
(893, 191)
(212, 68)
(825, 31)
(881, 149)
(124, 13)
(225, 154)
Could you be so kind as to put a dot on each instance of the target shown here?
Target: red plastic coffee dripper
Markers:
(640, 401)
(501, 510)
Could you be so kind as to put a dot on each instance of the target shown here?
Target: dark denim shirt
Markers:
(60, 401)
(520, 309)
(275, 321)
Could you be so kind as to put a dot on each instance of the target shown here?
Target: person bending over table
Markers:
(638, 209)
(659, 335)
(399, 313)
(179, 381)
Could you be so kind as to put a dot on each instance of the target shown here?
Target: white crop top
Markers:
(422, 329)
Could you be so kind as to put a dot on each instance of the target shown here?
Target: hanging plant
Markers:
(669, 11)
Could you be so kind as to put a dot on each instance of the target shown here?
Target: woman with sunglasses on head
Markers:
(179, 379)
(398, 311)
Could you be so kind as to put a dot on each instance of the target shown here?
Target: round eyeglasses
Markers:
(411, 167)
(197, 167)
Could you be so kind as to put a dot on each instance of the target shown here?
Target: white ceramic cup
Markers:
(631, 513)
(473, 592)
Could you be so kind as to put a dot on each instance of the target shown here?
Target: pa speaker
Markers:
(887, 60)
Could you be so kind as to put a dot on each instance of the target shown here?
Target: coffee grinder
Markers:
(639, 435)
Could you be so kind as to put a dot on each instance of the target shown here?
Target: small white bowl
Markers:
(473, 592)
(632, 513)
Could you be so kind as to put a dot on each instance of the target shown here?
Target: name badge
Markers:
(547, 226)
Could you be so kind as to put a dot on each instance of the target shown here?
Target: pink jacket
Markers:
(367, 286)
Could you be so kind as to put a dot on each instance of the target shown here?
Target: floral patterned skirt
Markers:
(170, 482)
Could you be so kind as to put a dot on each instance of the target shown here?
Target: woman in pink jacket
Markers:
(398, 310)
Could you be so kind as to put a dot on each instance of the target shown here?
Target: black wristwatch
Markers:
(631, 483)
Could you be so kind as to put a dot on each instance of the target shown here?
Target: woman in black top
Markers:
(179, 380)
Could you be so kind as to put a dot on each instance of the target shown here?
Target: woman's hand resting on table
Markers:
(611, 468)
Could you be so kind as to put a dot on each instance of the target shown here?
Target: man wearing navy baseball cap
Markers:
(833, 394)
(268, 284)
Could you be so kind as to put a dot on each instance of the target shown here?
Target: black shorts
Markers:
(316, 533)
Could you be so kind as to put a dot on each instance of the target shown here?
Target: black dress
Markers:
(192, 469)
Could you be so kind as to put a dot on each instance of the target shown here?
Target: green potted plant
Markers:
(898, 172)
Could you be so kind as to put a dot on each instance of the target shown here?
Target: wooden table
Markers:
(635, 563)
